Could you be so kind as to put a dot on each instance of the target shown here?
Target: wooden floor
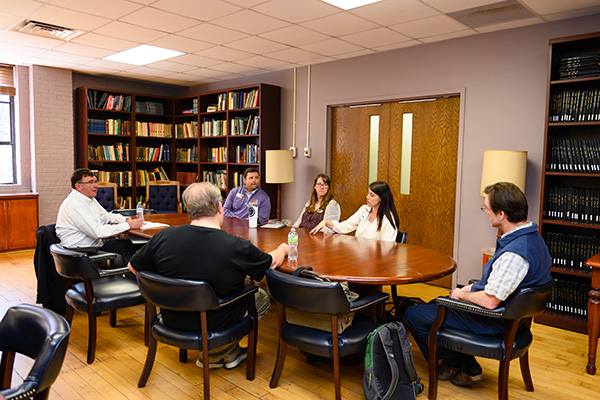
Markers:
(557, 357)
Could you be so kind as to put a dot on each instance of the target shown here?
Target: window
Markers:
(8, 151)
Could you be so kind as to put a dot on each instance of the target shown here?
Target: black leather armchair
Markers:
(518, 310)
(188, 295)
(39, 334)
(100, 290)
(107, 195)
(163, 196)
(313, 296)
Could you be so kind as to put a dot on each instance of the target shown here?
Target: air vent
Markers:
(492, 14)
(49, 30)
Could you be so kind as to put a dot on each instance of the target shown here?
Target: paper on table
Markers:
(153, 225)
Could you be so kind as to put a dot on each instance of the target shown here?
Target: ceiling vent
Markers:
(492, 14)
(49, 30)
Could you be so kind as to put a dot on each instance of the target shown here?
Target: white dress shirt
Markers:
(83, 222)
(359, 221)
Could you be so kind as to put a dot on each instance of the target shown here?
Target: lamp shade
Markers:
(504, 166)
(279, 166)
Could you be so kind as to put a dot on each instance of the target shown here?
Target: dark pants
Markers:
(124, 247)
(419, 319)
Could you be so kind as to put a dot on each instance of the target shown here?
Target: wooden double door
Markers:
(427, 211)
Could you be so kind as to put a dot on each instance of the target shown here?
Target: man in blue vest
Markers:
(521, 260)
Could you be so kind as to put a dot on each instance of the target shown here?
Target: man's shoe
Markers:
(446, 372)
(215, 365)
(241, 356)
(462, 379)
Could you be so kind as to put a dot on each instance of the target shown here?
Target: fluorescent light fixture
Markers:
(349, 4)
(144, 54)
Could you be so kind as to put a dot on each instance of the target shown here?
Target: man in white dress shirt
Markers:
(83, 222)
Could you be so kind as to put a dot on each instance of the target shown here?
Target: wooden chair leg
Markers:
(69, 315)
(251, 363)
(113, 318)
(279, 363)
(149, 362)
(91, 354)
(183, 357)
(147, 325)
(336, 360)
(526, 372)
(503, 379)
(205, 357)
(6, 369)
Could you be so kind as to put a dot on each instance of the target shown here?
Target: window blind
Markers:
(7, 80)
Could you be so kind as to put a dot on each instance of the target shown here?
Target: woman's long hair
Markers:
(387, 208)
(313, 195)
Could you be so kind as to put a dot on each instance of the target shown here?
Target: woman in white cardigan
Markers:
(321, 206)
(378, 219)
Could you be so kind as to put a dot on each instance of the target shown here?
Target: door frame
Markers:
(331, 103)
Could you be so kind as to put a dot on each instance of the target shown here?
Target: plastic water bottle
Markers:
(293, 243)
(139, 211)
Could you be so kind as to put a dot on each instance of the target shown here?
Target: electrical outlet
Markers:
(307, 152)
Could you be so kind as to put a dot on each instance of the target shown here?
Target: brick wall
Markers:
(51, 97)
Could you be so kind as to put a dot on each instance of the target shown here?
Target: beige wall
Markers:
(501, 75)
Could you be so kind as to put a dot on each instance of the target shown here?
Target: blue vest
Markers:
(527, 243)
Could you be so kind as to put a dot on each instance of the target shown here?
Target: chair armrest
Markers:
(470, 307)
(110, 272)
(87, 250)
(248, 290)
(367, 301)
(103, 256)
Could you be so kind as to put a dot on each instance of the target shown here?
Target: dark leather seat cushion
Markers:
(112, 292)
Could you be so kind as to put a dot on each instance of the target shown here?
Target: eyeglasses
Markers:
(483, 208)
(322, 185)
(88, 182)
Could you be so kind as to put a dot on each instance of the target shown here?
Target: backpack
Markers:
(389, 369)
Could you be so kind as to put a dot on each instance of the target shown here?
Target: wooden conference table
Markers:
(339, 257)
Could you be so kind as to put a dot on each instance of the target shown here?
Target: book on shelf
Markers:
(186, 178)
(247, 154)
(572, 204)
(213, 127)
(156, 174)
(574, 155)
(116, 152)
(218, 178)
(570, 296)
(159, 173)
(212, 108)
(186, 130)
(107, 101)
(149, 107)
(153, 129)
(160, 153)
(222, 102)
(187, 154)
(217, 154)
(124, 202)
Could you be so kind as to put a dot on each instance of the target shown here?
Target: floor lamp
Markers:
(279, 168)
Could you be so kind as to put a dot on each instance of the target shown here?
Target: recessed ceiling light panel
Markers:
(349, 4)
(144, 54)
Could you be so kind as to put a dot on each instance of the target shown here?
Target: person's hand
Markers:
(318, 228)
(135, 223)
(456, 293)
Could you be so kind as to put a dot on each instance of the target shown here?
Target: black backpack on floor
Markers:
(389, 368)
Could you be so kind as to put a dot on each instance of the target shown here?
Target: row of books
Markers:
(106, 101)
(156, 174)
(574, 155)
(238, 178)
(124, 202)
(187, 154)
(186, 130)
(186, 178)
(219, 178)
(244, 125)
(573, 204)
(149, 107)
(160, 153)
(247, 154)
(121, 178)
(243, 99)
(222, 102)
(571, 251)
(569, 296)
(213, 127)
(584, 66)
(217, 154)
(116, 152)
(153, 129)
(575, 105)
(109, 126)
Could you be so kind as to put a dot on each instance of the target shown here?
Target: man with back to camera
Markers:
(201, 250)
(83, 222)
(238, 199)
(521, 260)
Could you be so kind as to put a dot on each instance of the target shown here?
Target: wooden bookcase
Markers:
(196, 125)
(570, 203)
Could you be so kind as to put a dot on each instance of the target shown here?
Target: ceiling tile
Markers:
(106, 65)
(112, 9)
(395, 12)
(354, 54)
(331, 47)
(104, 42)
(19, 49)
(79, 49)
(376, 37)
(511, 24)
(131, 32)
(70, 58)
(412, 42)
(67, 18)
(296, 11)
(159, 20)
(195, 60)
(294, 35)
(171, 66)
(7, 21)
(429, 27)
(446, 6)
(256, 45)
(250, 22)
(212, 33)
(572, 14)
(339, 24)
(223, 53)
(205, 10)
(448, 36)
(261, 62)
(20, 8)
(295, 55)
(545, 7)
(180, 43)
(25, 39)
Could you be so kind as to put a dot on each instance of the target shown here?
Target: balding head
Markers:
(202, 200)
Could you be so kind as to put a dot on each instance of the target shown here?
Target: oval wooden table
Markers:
(339, 257)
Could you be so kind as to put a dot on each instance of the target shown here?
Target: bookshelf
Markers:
(570, 209)
(211, 136)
